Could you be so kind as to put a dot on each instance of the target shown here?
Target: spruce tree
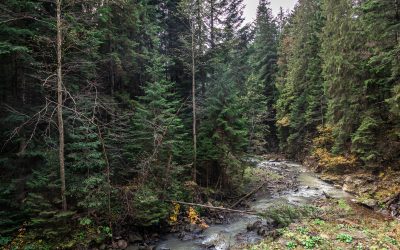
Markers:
(264, 63)
(222, 138)
(157, 142)
(301, 103)
(343, 70)
(379, 22)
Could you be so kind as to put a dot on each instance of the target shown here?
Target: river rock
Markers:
(215, 241)
(371, 203)
(263, 228)
(193, 228)
(122, 244)
(134, 238)
(186, 236)
(394, 209)
(218, 221)
(133, 247)
(358, 184)
(254, 226)
(348, 185)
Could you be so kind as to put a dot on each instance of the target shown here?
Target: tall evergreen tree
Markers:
(264, 63)
(303, 110)
(343, 70)
(222, 132)
(379, 21)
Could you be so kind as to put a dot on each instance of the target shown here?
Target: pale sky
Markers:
(251, 7)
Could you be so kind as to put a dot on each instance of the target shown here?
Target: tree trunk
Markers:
(59, 106)
(194, 173)
(212, 31)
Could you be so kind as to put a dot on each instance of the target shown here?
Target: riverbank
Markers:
(368, 220)
(378, 189)
(337, 224)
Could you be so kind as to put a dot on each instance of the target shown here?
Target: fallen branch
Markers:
(248, 195)
(216, 208)
(388, 201)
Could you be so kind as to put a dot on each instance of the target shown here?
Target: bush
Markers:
(322, 146)
(285, 214)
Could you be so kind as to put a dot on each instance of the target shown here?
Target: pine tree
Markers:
(285, 90)
(301, 102)
(264, 64)
(157, 142)
(378, 21)
(343, 70)
(222, 132)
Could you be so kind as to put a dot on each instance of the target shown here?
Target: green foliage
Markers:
(363, 142)
(319, 222)
(343, 70)
(344, 238)
(303, 230)
(4, 241)
(261, 90)
(342, 204)
(222, 135)
(391, 240)
(149, 210)
(311, 242)
(255, 102)
(285, 214)
(291, 245)
(301, 103)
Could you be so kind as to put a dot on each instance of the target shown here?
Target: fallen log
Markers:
(216, 208)
(248, 194)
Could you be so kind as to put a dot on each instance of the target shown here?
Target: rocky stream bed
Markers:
(293, 185)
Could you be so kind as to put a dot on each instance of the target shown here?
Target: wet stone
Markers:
(134, 238)
(371, 203)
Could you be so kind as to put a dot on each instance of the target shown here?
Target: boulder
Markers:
(215, 241)
(360, 184)
(371, 203)
(122, 244)
(263, 228)
(254, 226)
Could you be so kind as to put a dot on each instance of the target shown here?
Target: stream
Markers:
(306, 188)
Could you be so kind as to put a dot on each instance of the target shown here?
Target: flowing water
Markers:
(222, 237)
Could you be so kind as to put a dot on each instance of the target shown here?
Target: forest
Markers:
(111, 110)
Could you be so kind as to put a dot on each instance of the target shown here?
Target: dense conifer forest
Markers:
(112, 109)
